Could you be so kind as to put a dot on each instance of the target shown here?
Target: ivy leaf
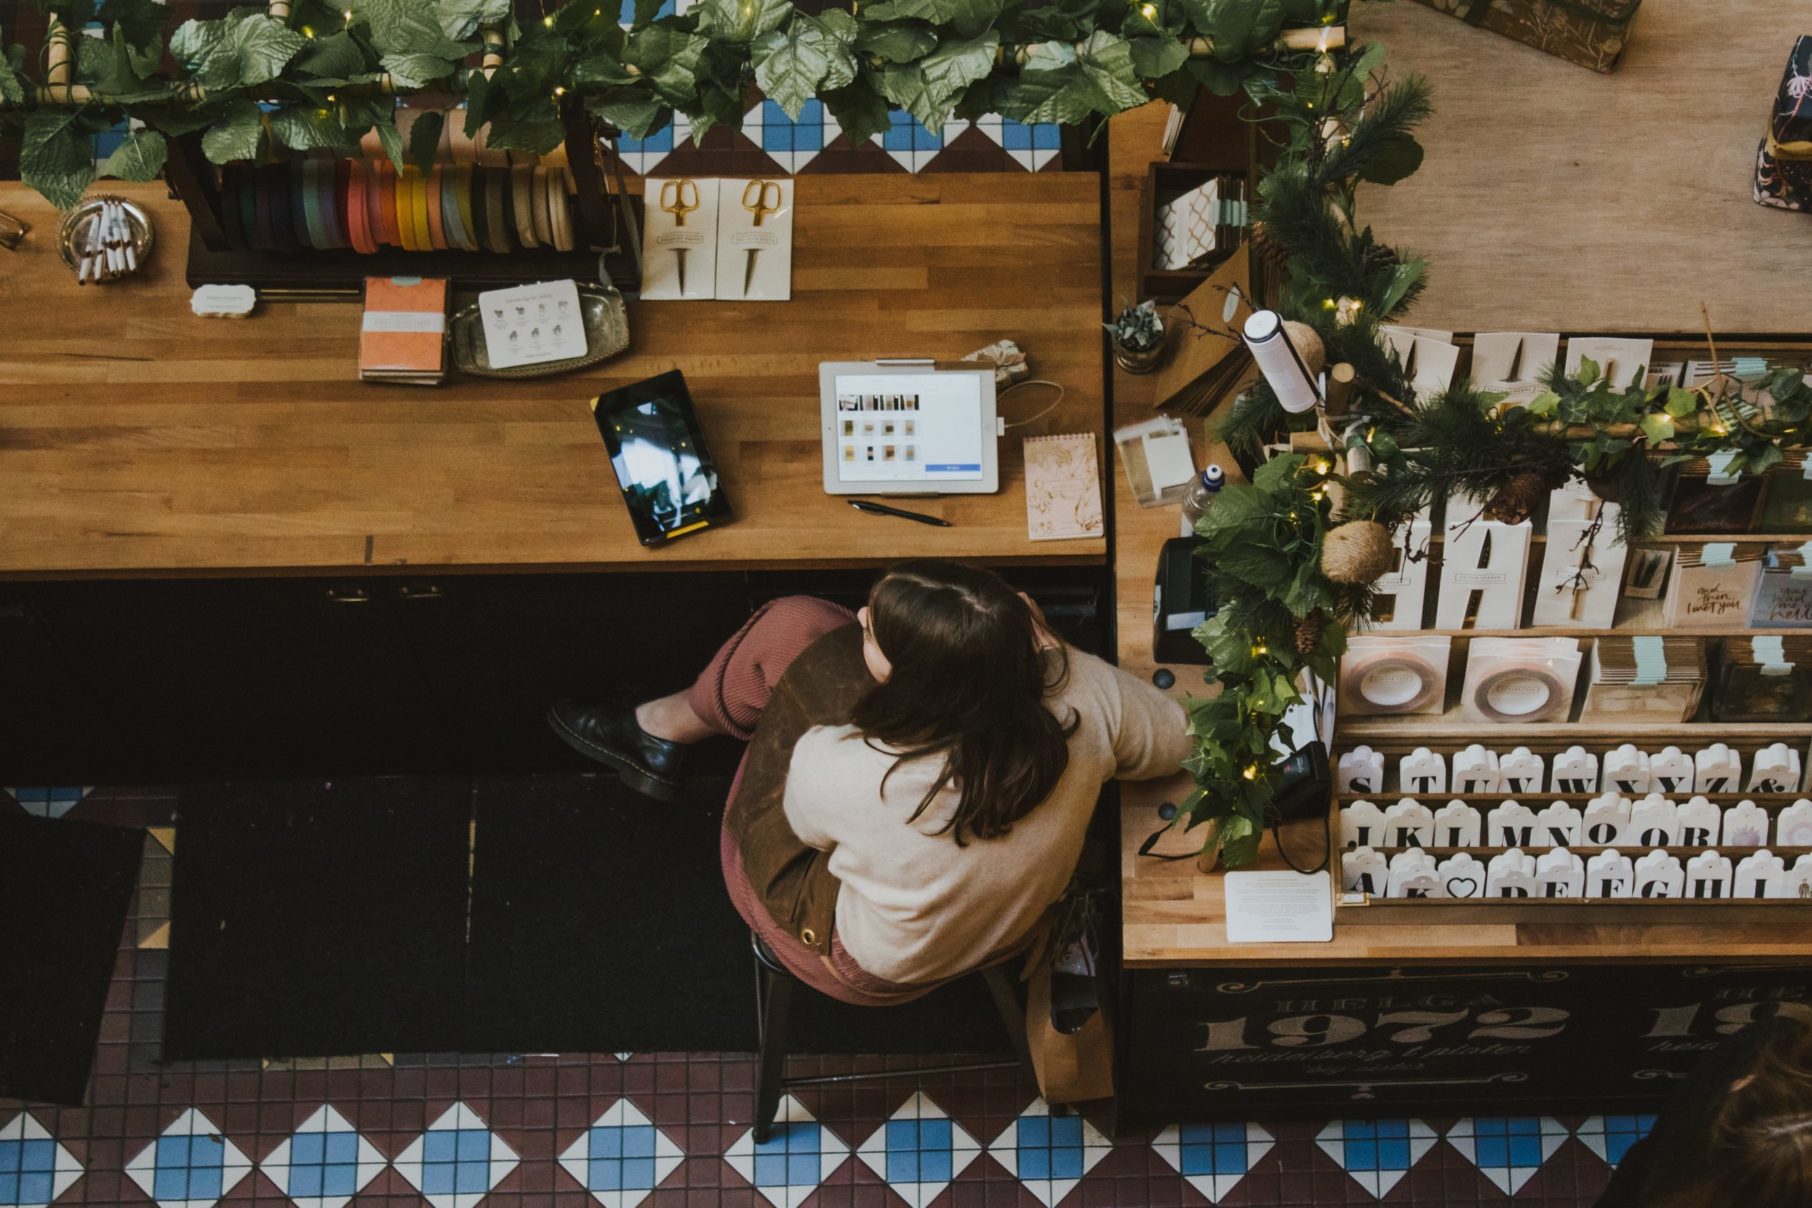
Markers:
(140, 157)
(975, 17)
(244, 49)
(110, 66)
(424, 139)
(11, 88)
(793, 65)
(1157, 57)
(1588, 371)
(335, 57)
(742, 21)
(390, 138)
(1107, 61)
(1680, 403)
(598, 66)
(1393, 156)
(927, 89)
(635, 113)
(860, 111)
(416, 71)
(535, 135)
(1236, 27)
(1062, 93)
(938, 12)
(1657, 428)
(55, 156)
(239, 134)
(896, 41)
(460, 19)
(307, 128)
(669, 59)
(141, 23)
(406, 27)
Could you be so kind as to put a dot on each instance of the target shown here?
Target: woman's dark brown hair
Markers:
(1758, 1153)
(969, 683)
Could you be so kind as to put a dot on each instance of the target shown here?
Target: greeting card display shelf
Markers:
(1451, 730)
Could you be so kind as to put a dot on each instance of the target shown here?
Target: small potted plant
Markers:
(1138, 337)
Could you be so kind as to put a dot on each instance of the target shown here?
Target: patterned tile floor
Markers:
(620, 1129)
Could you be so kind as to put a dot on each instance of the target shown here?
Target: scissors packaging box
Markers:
(679, 238)
(755, 240)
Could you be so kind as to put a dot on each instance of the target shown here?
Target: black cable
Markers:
(1327, 845)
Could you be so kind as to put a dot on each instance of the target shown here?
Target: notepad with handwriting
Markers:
(1063, 487)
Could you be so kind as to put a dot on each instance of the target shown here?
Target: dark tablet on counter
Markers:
(669, 481)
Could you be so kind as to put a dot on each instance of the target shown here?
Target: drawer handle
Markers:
(413, 592)
(349, 595)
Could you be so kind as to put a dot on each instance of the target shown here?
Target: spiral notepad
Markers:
(1063, 487)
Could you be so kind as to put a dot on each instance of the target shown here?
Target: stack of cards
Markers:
(1200, 223)
(404, 334)
(1644, 679)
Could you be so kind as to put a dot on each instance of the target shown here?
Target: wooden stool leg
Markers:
(1012, 1012)
(773, 1002)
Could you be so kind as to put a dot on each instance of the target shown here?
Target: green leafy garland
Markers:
(1282, 614)
(324, 71)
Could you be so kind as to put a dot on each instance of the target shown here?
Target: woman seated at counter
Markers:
(919, 779)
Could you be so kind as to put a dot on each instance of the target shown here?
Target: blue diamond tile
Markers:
(324, 1163)
(49, 802)
(457, 1161)
(191, 1165)
(919, 1151)
(1376, 1153)
(798, 1156)
(1508, 1150)
(1610, 1137)
(34, 1168)
(1212, 1158)
(1049, 1154)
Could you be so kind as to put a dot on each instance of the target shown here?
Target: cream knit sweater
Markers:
(915, 907)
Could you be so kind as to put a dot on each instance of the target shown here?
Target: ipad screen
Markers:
(909, 427)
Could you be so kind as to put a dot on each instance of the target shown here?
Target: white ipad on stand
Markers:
(908, 427)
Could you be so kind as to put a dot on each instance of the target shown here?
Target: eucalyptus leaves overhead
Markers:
(318, 76)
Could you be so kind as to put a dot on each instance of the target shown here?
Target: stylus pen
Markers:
(881, 509)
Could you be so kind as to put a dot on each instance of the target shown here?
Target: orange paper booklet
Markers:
(403, 336)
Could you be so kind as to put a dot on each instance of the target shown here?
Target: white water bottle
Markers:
(1201, 496)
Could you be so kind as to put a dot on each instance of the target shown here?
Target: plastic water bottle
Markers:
(1202, 494)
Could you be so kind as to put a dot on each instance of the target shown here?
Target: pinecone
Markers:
(1518, 499)
(1309, 631)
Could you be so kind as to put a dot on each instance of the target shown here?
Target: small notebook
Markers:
(403, 334)
(1063, 487)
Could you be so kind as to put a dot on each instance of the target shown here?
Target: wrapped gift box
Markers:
(1783, 163)
(1591, 33)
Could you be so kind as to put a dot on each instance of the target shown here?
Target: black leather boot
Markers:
(609, 734)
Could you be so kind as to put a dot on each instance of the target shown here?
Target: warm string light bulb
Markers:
(1251, 772)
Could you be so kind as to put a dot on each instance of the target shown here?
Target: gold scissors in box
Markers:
(760, 198)
(679, 198)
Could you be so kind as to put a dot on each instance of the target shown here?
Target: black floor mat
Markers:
(600, 923)
(65, 887)
(313, 918)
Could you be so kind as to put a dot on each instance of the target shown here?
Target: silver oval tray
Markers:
(606, 334)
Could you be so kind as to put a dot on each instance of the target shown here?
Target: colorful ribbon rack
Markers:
(323, 204)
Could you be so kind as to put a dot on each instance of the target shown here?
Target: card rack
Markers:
(1381, 909)
(1450, 732)
(605, 224)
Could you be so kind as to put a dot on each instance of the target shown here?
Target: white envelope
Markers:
(679, 244)
(755, 239)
